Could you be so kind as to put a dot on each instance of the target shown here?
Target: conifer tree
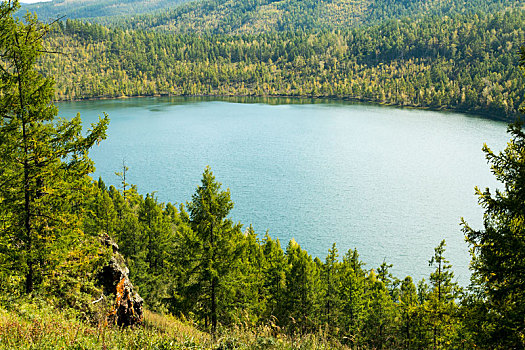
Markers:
(43, 177)
(299, 299)
(213, 245)
(408, 306)
(441, 301)
(159, 243)
(245, 297)
(378, 326)
(331, 284)
(352, 296)
(274, 272)
(498, 250)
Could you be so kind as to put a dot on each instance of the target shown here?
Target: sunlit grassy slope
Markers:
(38, 325)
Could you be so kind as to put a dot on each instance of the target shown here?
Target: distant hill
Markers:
(97, 9)
(258, 16)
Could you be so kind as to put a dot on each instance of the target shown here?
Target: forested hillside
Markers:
(429, 54)
(463, 62)
(256, 16)
(101, 10)
(263, 16)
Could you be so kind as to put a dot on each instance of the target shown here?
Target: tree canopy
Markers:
(45, 163)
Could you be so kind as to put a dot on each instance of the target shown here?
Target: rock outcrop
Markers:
(126, 308)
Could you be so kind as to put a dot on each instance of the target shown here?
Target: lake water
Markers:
(390, 182)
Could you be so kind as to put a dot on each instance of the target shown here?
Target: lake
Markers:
(390, 182)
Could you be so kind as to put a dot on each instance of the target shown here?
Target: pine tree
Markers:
(213, 244)
(441, 302)
(498, 251)
(331, 284)
(43, 178)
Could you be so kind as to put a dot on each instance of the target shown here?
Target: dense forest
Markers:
(238, 17)
(95, 9)
(235, 16)
(193, 261)
(465, 62)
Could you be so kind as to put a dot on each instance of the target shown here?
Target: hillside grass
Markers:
(39, 325)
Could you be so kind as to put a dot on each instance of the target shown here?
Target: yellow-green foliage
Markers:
(465, 62)
(39, 325)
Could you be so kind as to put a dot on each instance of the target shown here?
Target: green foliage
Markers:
(441, 305)
(352, 296)
(262, 16)
(214, 248)
(498, 250)
(274, 281)
(464, 62)
(194, 261)
(100, 10)
(408, 313)
(44, 173)
(331, 284)
(300, 296)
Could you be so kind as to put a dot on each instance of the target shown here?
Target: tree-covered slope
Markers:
(100, 9)
(463, 62)
(257, 16)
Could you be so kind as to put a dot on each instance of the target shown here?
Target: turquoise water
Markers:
(390, 182)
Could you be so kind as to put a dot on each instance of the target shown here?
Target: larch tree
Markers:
(274, 280)
(498, 250)
(352, 295)
(300, 293)
(213, 244)
(331, 283)
(408, 305)
(44, 160)
(441, 301)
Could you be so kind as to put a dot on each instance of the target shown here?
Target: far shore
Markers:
(477, 113)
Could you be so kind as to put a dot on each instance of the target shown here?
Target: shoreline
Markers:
(305, 97)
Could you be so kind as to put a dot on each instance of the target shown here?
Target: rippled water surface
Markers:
(390, 182)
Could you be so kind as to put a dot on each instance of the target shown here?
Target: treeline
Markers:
(263, 16)
(90, 10)
(255, 16)
(196, 263)
(465, 62)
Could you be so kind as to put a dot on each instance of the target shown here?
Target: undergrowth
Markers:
(37, 324)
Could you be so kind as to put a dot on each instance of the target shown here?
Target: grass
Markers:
(38, 325)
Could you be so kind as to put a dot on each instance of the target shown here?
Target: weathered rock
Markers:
(127, 305)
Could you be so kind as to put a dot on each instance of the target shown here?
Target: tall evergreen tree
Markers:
(408, 306)
(213, 245)
(498, 251)
(331, 284)
(352, 296)
(43, 177)
(275, 269)
(441, 302)
(380, 311)
(299, 298)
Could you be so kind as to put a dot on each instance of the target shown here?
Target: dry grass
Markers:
(175, 329)
(40, 326)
